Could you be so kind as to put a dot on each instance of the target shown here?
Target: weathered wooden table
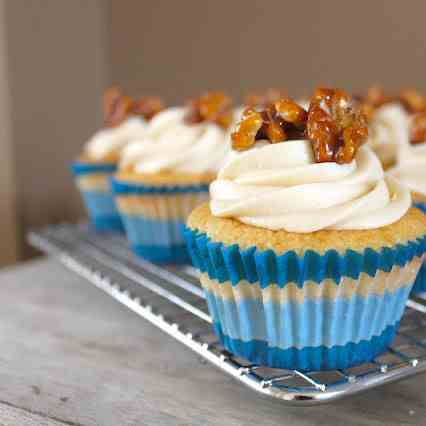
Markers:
(70, 355)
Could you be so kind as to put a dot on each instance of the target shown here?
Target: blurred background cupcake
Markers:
(164, 174)
(386, 124)
(307, 252)
(410, 166)
(125, 119)
(387, 115)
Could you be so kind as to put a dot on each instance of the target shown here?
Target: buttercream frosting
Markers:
(170, 144)
(280, 186)
(112, 140)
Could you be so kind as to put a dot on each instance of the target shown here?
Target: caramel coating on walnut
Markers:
(148, 106)
(418, 129)
(412, 100)
(335, 126)
(213, 106)
(118, 107)
(277, 122)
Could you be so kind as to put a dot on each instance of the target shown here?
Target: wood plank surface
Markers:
(70, 354)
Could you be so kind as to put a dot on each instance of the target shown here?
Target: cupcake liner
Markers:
(420, 283)
(154, 217)
(93, 183)
(310, 312)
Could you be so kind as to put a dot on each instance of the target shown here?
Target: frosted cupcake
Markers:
(165, 174)
(411, 171)
(307, 252)
(125, 119)
(387, 115)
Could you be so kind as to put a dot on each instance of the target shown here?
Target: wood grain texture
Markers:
(12, 416)
(72, 354)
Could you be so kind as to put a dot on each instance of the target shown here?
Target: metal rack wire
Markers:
(172, 299)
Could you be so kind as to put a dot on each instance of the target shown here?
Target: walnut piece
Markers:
(118, 107)
(147, 107)
(213, 106)
(412, 100)
(418, 129)
(245, 135)
(335, 126)
(275, 123)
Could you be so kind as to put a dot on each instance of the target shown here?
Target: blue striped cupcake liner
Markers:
(155, 217)
(307, 312)
(420, 283)
(97, 195)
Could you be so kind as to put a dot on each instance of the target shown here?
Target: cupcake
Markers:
(411, 171)
(125, 119)
(165, 174)
(386, 116)
(307, 252)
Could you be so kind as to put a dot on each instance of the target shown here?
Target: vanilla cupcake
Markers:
(125, 120)
(386, 124)
(411, 171)
(165, 174)
(307, 252)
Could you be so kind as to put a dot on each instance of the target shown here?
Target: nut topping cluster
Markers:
(415, 104)
(277, 122)
(412, 101)
(118, 107)
(334, 125)
(213, 106)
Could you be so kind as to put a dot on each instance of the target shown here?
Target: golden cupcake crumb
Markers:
(231, 231)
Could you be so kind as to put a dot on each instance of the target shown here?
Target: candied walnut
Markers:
(290, 112)
(117, 107)
(418, 129)
(213, 106)
(245, 136)
(412, 100)
(272, 125)
(277, 122)
(335, 126)
(147, 107)
(262, 100)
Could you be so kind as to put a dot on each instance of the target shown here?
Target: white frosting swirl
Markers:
(279, 186)
(171, 144)
(387, 130)
(112, 140)
(411, 163)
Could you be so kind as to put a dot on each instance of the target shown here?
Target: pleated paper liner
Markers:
(310, 312)
(154, 217)
(93, 183)
(420, 283)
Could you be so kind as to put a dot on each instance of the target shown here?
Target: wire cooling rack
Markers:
(172, 299)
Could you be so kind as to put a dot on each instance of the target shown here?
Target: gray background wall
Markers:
(57, 56)
(181, 47)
